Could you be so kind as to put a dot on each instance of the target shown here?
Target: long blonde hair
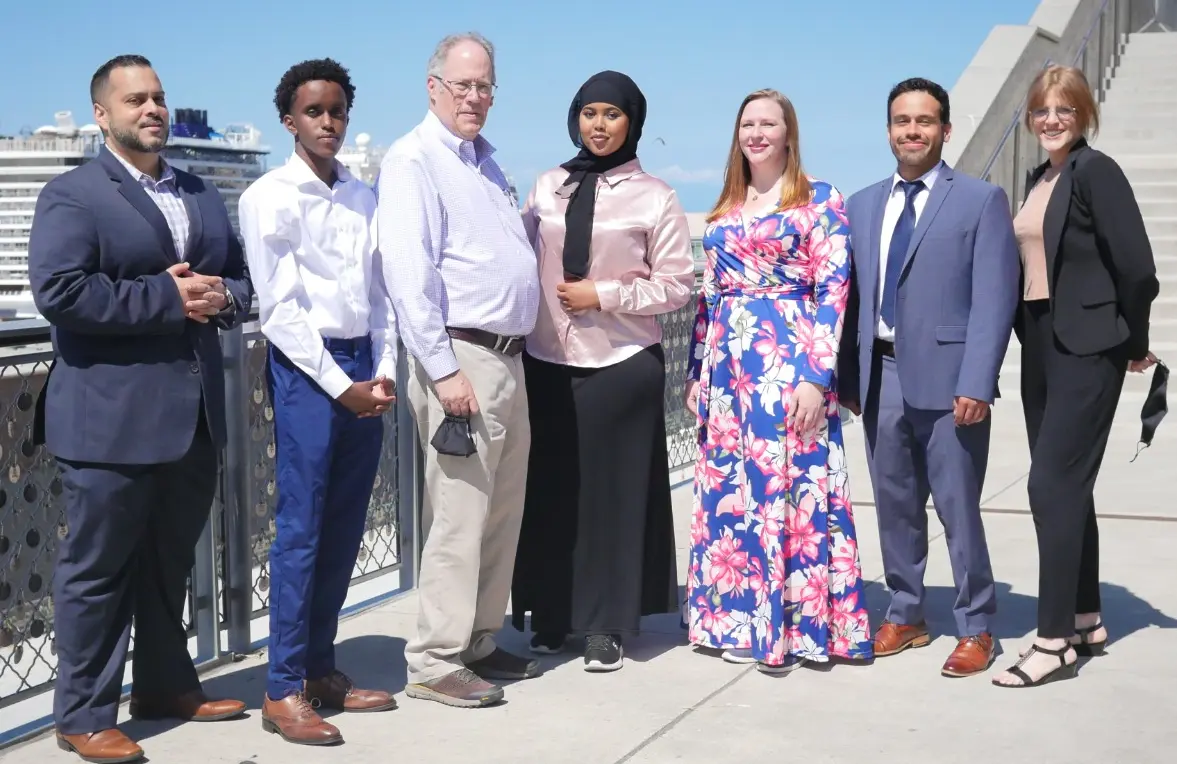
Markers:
(795, 188)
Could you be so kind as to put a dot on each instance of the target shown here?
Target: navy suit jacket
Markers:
(129, 370)
(957, 293)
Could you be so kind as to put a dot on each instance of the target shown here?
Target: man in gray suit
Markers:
(931, 311)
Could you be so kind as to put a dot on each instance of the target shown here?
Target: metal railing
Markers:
(1098, 56)
(229, 586)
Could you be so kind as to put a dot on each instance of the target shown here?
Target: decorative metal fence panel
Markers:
(229, 587)
(30, 523)
(32, 518)
(379, 552)
(677, 329)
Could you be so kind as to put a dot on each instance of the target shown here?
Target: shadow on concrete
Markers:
(1124, 613)
(373, 661)
(659, 634)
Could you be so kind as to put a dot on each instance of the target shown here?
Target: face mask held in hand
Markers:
(454, 437)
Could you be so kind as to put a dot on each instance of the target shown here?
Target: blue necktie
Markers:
(897, 252)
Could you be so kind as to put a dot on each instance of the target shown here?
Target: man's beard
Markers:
(129, 139)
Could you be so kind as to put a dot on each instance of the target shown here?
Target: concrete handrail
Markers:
(991, 91)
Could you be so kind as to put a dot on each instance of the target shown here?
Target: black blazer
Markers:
(130, 370)
(1099, 262)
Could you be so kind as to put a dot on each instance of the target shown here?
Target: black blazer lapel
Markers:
(1055, 219)
(131, 190)
(195, 219)
(1058, 208)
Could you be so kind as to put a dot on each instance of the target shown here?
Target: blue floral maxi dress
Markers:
(774, 564)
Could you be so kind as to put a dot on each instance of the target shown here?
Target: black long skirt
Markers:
(596, 550)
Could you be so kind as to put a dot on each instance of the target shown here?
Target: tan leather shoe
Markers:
(104, 747)
(190, 707)
(894, 638)
(295, 719)
(971, 656)
(339, 693)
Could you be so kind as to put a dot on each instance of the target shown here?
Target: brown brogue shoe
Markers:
(105, 747)
(971, 656)
(295, 719)
(190, 707)
(894, 638)
(338, 692)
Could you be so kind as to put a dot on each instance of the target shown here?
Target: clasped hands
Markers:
(203, 296)
(806, 409)
(578, 296)
(369, 398)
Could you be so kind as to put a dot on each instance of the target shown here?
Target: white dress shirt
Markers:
(316, 270)
(455, 250)
(891, 215)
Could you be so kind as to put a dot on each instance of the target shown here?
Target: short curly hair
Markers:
(325, 69)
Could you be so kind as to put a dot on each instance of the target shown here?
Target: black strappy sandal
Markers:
(1085, 647)
(1064, 671)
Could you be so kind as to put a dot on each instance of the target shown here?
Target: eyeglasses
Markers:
(1062, 112)
(461, 89)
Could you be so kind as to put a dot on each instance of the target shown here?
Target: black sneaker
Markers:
(602, 652)
(547, 643)
(504, 665)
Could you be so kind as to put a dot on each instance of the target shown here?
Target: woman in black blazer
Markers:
(1088, 282)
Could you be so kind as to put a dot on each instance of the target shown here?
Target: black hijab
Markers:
(586, 167)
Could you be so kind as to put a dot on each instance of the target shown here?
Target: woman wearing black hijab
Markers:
(596, 550)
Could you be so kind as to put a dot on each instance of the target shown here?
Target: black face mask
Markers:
(454, 437)
(1155, 406)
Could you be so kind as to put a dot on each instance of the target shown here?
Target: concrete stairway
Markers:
(1138, 128)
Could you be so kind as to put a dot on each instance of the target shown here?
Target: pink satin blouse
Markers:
(640, 261)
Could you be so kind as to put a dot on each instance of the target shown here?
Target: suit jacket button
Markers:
(194, 368)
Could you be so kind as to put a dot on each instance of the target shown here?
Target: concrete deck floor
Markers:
(672, 703)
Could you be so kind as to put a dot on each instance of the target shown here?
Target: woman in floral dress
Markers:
(774, 575)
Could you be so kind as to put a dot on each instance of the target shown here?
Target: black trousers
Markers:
(596, 548)
(1069, 402)
(129, 547)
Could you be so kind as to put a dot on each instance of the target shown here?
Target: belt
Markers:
(885, 347)
(347, 344)
(499, 343)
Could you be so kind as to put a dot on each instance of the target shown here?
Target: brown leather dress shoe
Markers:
(338, 692)
(190, 707)
(105, 747)
(295, 719)
(971, 656)
(894, 638)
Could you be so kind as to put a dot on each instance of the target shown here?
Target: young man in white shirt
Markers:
(310, 240)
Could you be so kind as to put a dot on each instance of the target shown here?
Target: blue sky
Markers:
(694, 60)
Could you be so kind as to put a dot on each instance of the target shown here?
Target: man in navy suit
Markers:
(135, 265)
(936, 283)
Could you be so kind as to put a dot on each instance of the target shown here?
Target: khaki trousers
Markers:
(473, 508)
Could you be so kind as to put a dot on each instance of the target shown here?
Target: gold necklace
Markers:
(756, 194)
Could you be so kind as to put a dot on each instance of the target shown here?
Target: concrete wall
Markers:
(991, 90)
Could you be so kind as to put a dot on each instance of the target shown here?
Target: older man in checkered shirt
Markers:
(465, 288)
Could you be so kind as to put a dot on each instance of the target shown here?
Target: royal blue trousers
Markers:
(327, 459)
